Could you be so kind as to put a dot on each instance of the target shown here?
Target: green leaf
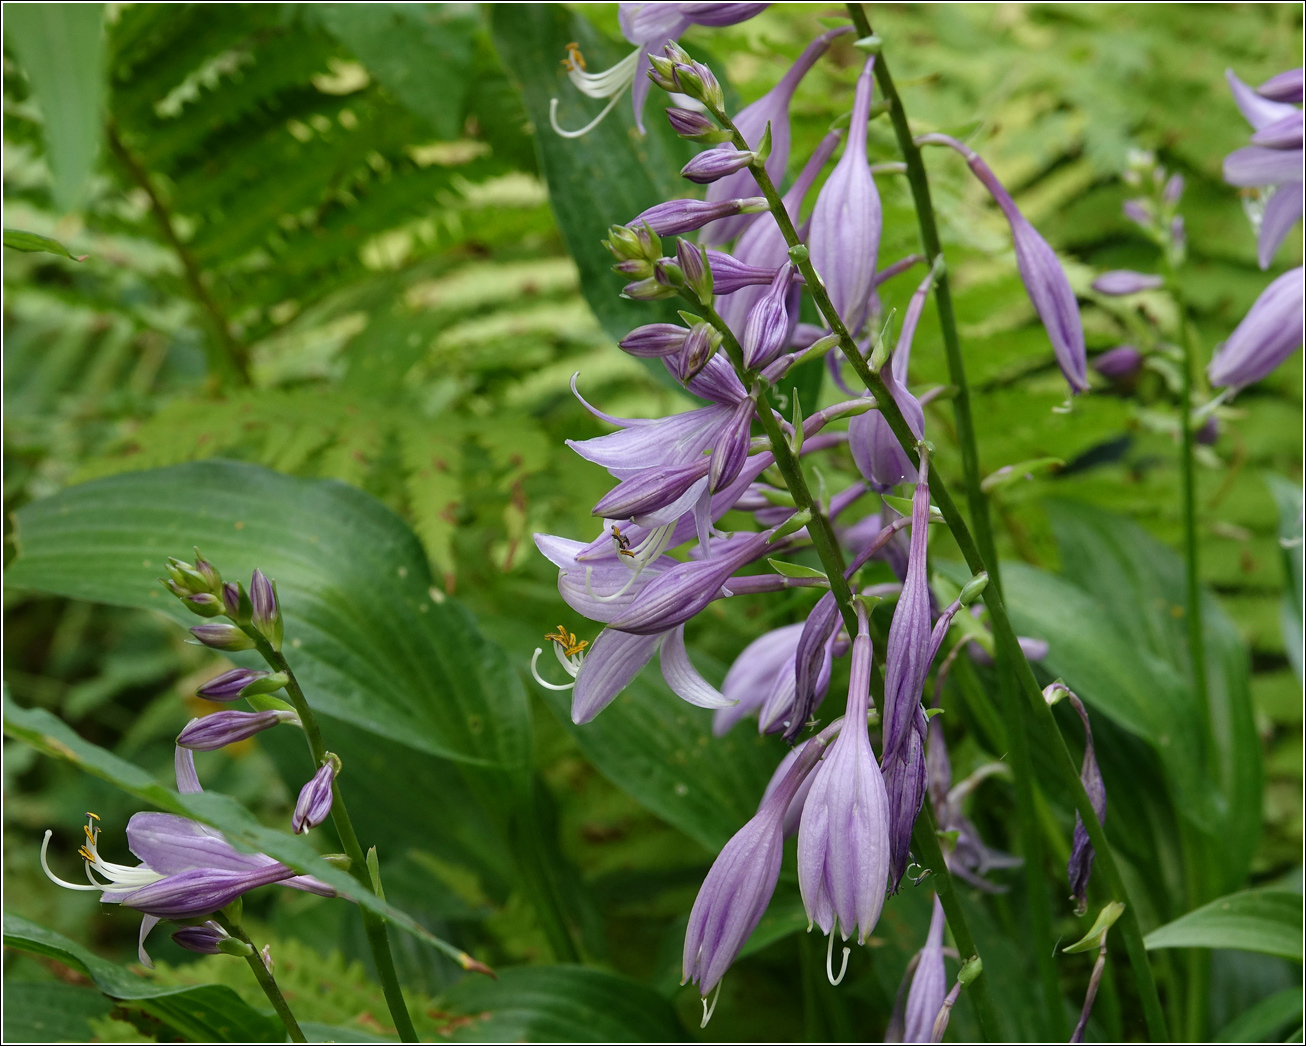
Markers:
(609, 175)
(559, 1004)
(33, 243)
(366, 638)
(50, 1011)
(1288, 498)
(660, 751)
(207, 1013)
(1106, 918)
(1266, 1020)
(61, 48)
(49, 734)
(1268, 921)
(788, 569)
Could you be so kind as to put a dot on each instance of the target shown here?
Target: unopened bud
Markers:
(661, 72)
(713, 164)
(267, 683)
(186, 576)
(654, 340)
(634, 268)
(668, 273)
(799, 253)
(208, 572)
(236, 602)
(696, 269)
(205, 604)
(230, 685)
(700, 346)
(973, 588)
(220, 729)
(696, 127)
(647, 290)
(266, 616)
(222, 637)
(970, 970)
(314, 803)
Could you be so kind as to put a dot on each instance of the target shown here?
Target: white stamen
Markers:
(611, 81)
(540, 679)
(553, 119)
(45, 867)
(829, 960)
(709, 1010)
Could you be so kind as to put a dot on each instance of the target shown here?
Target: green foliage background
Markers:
(347, 204)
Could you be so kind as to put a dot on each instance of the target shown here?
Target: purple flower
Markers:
(1124, 281)
(314, 803)
(809, 657)
(929, 986)
(1274, 158)
(1283, 133)
(1081, 850)
(717, 15)
(1283, 87)
(847, 219)
(222, 636)
(763, 676)
(227, 687)
(843, 845)
(729, 274)
(772, 108)
(1257, 110)
(1118, 364)
(714, 164)
(1282, 211)
(205, 938)
(768, 328)
(1269, 333)
(679, 216)
(1255, 165)
(266, 614)
(197, 892)
(1045, 281)
(211, 732)
(794, 812)
(740, 883)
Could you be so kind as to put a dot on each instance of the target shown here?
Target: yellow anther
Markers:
(623, 542)
(90, 814)
(574, 60)
(570, 644)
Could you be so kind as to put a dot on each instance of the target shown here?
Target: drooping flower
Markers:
(929, 985)
(1081, 849)
(1045, 280)
(761, 680)
(1269, 333)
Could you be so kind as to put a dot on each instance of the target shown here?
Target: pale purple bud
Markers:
(694, 79)
(266, 615)
(1081, 850)
(695, 270)
(1269, 333)
(768, 327)
(654, 339)
(204, 938)
(650, 489)
(692, 125)
(1281, 213)
(1174, 189)
(729, 274)
(208, 572)
(712, 164)
(740, 883)
(215, 731)
(1284, 87)
(1178, 233)
(227, 687)
(236, 602)
(679, 216)
(1284, 133)
(699, 346)
(1118, 282)
(200, 891)
(1118, 364)
(719, 15)
(848, 219)
(1256, 165)
(1137, 211)
(907, 653)
(772, 108)
(843, 844)
(222, 636)
(929, 985)
(314, 803)
(1045, 281)
(1209, 433)
(731, 449)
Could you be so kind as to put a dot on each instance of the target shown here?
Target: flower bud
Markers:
(767, 329)
(1118, 364)
(696, 127)
(1139, 212)
(696, 269)
(210, 939)
(236, 603)
(647, 290)
(679, 216)
(654, 339)
(220, 729)
(700, 346)
(1119, 282)
(661, 70)
(973, 588)
(626, 243)
(639, 268)
(228, 686)
(205, 604)
(1209, 433)
(266, 616)
(186, 576)
(697, 80)
(266, 683)
(712, 164)
(314, 803)
(222, 637)
(668, 273)
(1174, 188)
(208, 572)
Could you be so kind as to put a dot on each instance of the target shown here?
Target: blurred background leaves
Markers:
(321, 241)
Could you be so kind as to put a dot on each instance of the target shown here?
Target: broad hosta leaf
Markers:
(605, 177)
(364, 634)
(61, 48)
(49, 734)
(1267, 1020)
(559, 1004)
(33, 243)
(1268, 921)
(208, 1013)
(661, 752)
(50, 1011)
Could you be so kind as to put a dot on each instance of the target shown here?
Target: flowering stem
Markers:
(378, 937)
(1038, 901)
(264, 977)
(1008, 646)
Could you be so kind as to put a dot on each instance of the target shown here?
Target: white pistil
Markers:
(540, 679)
(45, 867)
(119, 875)
(709, 1010)
(829, 960)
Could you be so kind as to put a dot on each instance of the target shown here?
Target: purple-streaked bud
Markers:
(1118, 364)
(199, 891)
(266, 615)
(1256, 165)
(208, 939)
(695, 126)
(648, 290)
(1174, 189)
(772, 108)
(712, 164)
(905, 785)
(186, 576)
(222, 636)
(215, 731)
(929, 985)
(668, 274)
(1283, 87)
(907, 653)
(767, 329)
(1178, 233)
(810, 654)
(695, 269)
(729, 274)
(1137, 211)
(848, 219)
(1269, 333)
(843, 843)
(314, 803)
(680, 216)
(699, 346)
(649, 490)
(208, 572)
(731, 449)
(694, 79)
(627, 243)
(1045, 280)
(236, 602)
(654, 339)
(205, 604)
(639, 268)
(740, 883)
(1118, 282)
(1281, 214)
(1283, 133)
(677, 594)
(720, 15)
(227, 687)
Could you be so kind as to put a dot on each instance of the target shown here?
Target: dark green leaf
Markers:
(1268, 921)
(35, 243)
(61, 48)
(207, 1013)
(50, 1011)
(559, 1004)
(1265, 1021)
(1289, 500)
(368, 640)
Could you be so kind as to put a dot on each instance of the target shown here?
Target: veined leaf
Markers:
(50, 1011)
(1268, 921)
(364, 635)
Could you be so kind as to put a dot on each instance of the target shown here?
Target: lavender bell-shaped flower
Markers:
(847, 220)
(211, 732)
(1045, 281)
(314, 803)
(794, 814)
(772, 108)
(1269, 333)
(762, 679)
(843, 844)
(929, 985)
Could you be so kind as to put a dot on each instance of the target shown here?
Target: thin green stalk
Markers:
(265, 979)
(1039, 903)
(378, 936)
(1003, 632)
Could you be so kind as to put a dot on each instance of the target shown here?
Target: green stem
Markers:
(1005, 635)
(264, 977)
(378, 936)
(1038, 901)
